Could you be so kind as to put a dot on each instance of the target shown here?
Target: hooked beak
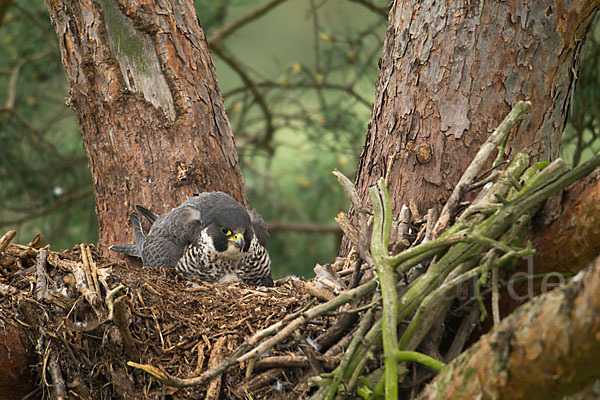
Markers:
(237, 240)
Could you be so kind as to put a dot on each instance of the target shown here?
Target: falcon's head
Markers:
(230, 230)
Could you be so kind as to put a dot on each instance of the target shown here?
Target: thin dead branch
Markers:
(480, 159)
(6, 239)
(40, 275)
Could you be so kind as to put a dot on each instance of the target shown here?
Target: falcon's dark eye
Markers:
(226, 231)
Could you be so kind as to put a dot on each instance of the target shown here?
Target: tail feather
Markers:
(138, 232)
(128, 249)
(149, 215)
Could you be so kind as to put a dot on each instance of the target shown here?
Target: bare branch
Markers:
(224, 32)
(376, 8)
(305, 85)
(235, 64)
(478, 162)
(6, 239)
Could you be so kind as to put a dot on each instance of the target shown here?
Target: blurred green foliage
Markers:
(45, 182)
(312, 65)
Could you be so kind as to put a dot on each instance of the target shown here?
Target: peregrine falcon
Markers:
(210, 236)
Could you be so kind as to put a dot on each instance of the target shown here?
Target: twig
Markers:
(78, 270)
(232, 27)
(58, 381)
(337, 331)
(305, 85)
(356, 372)
(216, 355)
(40, 275)
(404, 356)
(432, 217)
(235, 64)
(383, 11)
(109, 301)
(340, 346)
(530, 198)
(417, 327)
(339, 372)
(486, 203)
(495, 297)
(292, 361)
(91, 274)
(488, 261)
(343, 298)
(259, 381)
(319, 292)
(478, 162)
(462, 334)
(348, 228)
(263, 333)
(436, 245)
(363, 226)
(121, 320)
(404, 219)
(349, 189)
(356, 274)
(494, 226)
(12, 87)
(483, 182)
(309, 352)
(358, 309)
(6, 239)
(7, 290)
(382, 212)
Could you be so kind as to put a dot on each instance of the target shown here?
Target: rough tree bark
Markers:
(150, 113)
(567, 231)
(451, 71)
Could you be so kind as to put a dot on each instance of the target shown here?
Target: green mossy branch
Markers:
(382, 222)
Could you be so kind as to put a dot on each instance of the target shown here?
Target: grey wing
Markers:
(169, 236)
(260, 228)
(184, 224)
(160, 252)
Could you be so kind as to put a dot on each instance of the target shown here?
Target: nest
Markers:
(88, 316)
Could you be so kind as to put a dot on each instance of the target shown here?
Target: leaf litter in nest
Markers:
(182, 326)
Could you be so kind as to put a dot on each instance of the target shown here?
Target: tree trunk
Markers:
(566, 235)
(150, 113)
(450, 72)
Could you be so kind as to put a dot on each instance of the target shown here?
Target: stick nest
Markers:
(181, 326)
